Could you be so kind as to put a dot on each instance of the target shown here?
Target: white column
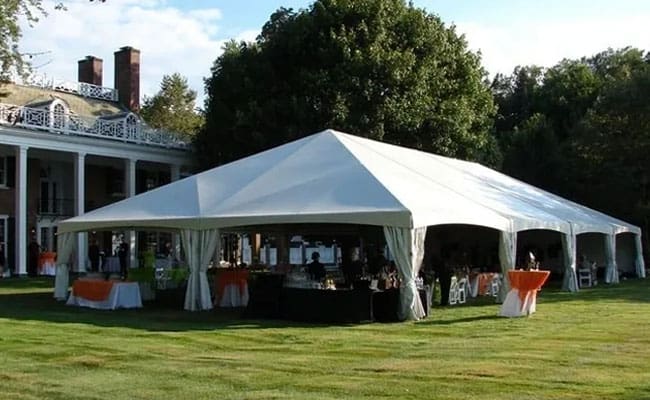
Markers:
(131, 237)
(79, 208)
(175, 173)
(20, 267)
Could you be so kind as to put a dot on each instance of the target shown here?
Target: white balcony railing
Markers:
(128, 129)
(79, 88)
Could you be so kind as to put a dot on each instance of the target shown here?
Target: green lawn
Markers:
(591, 345)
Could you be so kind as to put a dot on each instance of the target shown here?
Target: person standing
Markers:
(122, 253)
(444, 273)
(316, 269)
(34, 252)
(93, 255)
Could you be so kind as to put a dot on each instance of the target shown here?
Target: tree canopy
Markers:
(173, 108)
(581, 129)
(377, 68)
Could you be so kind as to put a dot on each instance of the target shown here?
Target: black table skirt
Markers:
(268, 299)
(326, 305)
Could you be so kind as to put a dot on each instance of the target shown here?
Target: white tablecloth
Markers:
(123, 295)
(512, 306)
(111, 264)
(48, 268)
(234, 296)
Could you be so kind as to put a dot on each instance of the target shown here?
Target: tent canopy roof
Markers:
(333, 177)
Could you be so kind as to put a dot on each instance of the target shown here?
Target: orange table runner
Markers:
(94, 290)
(237, 277)
(527, 281)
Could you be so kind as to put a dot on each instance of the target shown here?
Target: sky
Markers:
(186, 36)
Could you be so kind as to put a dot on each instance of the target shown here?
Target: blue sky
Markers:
(186, 36)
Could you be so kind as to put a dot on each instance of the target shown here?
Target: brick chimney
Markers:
(90, 70)
(127, 77)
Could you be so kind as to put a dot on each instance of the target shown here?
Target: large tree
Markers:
(12, 61)
(610, 149)
(173, 108)
(376, 68)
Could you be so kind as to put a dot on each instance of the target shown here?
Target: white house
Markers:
(70, 147)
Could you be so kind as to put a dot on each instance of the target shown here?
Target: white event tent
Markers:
(333, 177)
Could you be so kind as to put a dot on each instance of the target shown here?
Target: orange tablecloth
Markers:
(521, 300)
(238, 277)
(527, 282)
(483, 281)
(95, 290)
(46, 257)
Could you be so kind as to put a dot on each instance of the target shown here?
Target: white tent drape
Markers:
(407, 247)
(64, 249)
(638, 262)
(611, 269)
(199, 248)
(570, 281)
(507, 260)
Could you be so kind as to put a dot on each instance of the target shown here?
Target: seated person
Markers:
(315, 268)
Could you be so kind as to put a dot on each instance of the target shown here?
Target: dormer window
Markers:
(131, 125)
(58, 115)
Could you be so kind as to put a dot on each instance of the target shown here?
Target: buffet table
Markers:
(231, 288)
(47, 263)
(105, 295)
(522, 297)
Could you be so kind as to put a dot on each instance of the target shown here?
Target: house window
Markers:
(3, 238)
(3, 171)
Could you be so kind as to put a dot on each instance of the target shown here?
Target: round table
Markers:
(522, 297)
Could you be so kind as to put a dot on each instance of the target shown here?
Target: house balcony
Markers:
(127, 129)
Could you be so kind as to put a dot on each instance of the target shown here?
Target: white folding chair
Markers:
(453, 291)
(584, 277)
(462, 291)
(594, 274)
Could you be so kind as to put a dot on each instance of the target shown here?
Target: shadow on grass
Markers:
(457, 320)
(31, 300)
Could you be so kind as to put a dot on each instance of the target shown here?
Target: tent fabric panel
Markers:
(384, 160)
(407, 247)
(570, 280)
(426, 198)
(200, 247)
(639, 264)
(64, 248)
(611, 269)
(507, 260)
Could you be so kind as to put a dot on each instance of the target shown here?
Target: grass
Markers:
(590, 345)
